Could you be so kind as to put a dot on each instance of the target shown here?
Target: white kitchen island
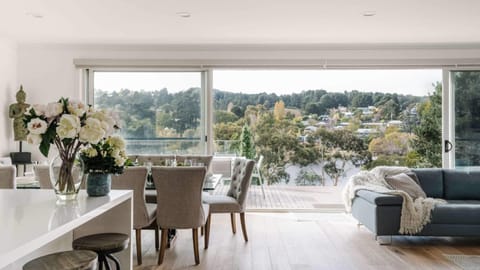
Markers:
(32, 223)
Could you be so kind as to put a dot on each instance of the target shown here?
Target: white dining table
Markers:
(33, 223)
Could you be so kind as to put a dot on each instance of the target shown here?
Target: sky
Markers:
(413, 82)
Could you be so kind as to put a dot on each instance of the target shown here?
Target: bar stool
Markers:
(65, 260)
(104, 244)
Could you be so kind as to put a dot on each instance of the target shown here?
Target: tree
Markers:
(389, 110)
(279, 110)
(227, 135)
(327, 102)
(335, 163)
(314, 108)
(362, 100)
(338, 147)
(247, 149)
(308, 177)
(224, 117)
(392, 143)
(238, 111)
(187, 110)
(428, 133)
(277, 142)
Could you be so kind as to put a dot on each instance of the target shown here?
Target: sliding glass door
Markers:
(465, 89)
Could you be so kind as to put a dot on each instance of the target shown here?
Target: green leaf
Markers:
(44, 147)
(47, 139)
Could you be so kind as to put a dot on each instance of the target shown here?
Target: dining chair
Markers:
(206, 160)
(42, 174)
(134, 178)
(235, 200)
(258, 175)
(7, 177)
(179, 200)
(156, 160)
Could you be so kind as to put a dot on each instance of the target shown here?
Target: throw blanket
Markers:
(415, 214)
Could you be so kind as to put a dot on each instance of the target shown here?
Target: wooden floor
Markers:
(290, 197)
(304, 241)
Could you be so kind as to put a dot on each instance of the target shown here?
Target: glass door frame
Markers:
(448, 115)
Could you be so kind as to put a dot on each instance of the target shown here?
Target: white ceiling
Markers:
(242, 21)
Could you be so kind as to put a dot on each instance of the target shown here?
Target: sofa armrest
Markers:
(379, 198)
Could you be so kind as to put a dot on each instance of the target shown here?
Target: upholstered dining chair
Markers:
(7, 177)
(159, 160)
(179, 200)
(42, 174)
(156, 160)
(144, 214)
(205, 159)
(235, 200)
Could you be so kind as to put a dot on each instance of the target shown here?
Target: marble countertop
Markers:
(31, 218)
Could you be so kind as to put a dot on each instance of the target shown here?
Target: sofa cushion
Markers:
(457, 212)
(431, 181)
(413, 176)
(405, 183)
(462, 185)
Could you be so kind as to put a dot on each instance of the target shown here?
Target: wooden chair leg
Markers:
(207, 231)
(201, 230)
(163, 246)
(195, 245)
(138, 238)
(234, 226)
(157, 240)
(244, 228)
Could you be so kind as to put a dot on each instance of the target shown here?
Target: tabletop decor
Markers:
(69, 126)
(101, 160)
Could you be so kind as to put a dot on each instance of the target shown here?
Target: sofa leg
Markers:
(383, 239)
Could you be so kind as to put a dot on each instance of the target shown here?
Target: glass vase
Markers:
(66, 176)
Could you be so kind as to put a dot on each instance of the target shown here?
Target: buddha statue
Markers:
(16, 111)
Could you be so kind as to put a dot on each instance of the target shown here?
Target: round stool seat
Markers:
(102, 242)
(66, 260)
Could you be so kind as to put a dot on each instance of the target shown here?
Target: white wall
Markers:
(8, 88)
(47, 72)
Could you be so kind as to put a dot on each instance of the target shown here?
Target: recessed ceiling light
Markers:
(184, 14)
(35, 15)
(369, 13)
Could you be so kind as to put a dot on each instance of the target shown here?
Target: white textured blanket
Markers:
(415, 214)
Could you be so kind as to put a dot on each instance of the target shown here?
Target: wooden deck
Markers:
(290, 197)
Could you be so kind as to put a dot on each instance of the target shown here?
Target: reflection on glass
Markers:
(159, 112)
(466, 86)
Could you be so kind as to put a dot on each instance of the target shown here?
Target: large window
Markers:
(159, 112)
(314, 128)
(318, 127)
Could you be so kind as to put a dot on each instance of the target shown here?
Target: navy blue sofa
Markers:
(460, 216)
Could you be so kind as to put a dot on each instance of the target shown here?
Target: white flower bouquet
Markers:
(107, 156)
(69, 126)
